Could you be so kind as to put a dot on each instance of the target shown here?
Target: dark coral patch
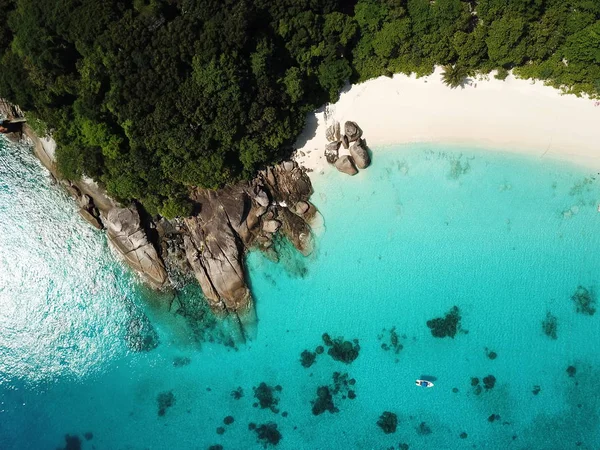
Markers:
(72, 442)
(447, 326)
(423, 429)
(388, 422)
(585, 301)
(344, 351)
(88, 436)
(220, 430)
(489, 382)
(268, 434)
(228, 420)
(181, 361)
(266, 397)
(323, 402)
(237, 393)
(571, 371)
(550, 326)
(165, 400)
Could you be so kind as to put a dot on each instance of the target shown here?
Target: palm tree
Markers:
(455, 75)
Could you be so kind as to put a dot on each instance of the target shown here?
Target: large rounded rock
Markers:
(360, 154)
(333, 132)
(332, 152)
(345, 164)
(345, 141)
(352, 130)
(271, 226)
(301, 207)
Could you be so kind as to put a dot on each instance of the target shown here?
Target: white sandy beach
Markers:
(510, 115)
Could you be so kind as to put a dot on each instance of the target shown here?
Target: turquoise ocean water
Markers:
(509, 240)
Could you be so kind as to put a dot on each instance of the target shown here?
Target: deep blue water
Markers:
(505, 238)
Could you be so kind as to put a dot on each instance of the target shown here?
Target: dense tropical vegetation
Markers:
(151, 97)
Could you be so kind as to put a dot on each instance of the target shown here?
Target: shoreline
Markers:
(514, 115)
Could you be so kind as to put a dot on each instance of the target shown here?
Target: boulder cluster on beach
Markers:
(352, 141)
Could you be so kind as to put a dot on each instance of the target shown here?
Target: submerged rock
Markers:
(268, 434)
(140, 334)
(388, 422)
(445, 326)
(571, 371)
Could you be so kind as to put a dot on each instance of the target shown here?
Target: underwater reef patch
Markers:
(423, 429)
(307, 358)
(489, 382)
(266, 396)
(446, 326)
(391, 341)
(342, 387)
(267, 434)
(388, 422)
(228, 420)
(491, 354)
(72, 442)
(585, 301)
(165, 400)
(340, 349)
(550, 326)
(237, 393)
(181, 361)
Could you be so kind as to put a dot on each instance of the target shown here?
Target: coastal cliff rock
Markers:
(210, 245)
(233, 219)
(359, 154)
(126, 233)
(345, 164)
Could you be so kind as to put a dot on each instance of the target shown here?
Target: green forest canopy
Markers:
(151, 97)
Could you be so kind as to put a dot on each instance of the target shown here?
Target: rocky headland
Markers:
(211, 244)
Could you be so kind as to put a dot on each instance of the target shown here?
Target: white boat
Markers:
(424, 383)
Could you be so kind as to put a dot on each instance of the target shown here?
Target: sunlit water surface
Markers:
(506, 239)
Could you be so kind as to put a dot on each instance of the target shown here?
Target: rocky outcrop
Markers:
(352, 131)
(333, 132)
(360, 154)
(345, 164)
(351, 157)
(126, 233)
(210, 245)
(236, 218)
(332, 152)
